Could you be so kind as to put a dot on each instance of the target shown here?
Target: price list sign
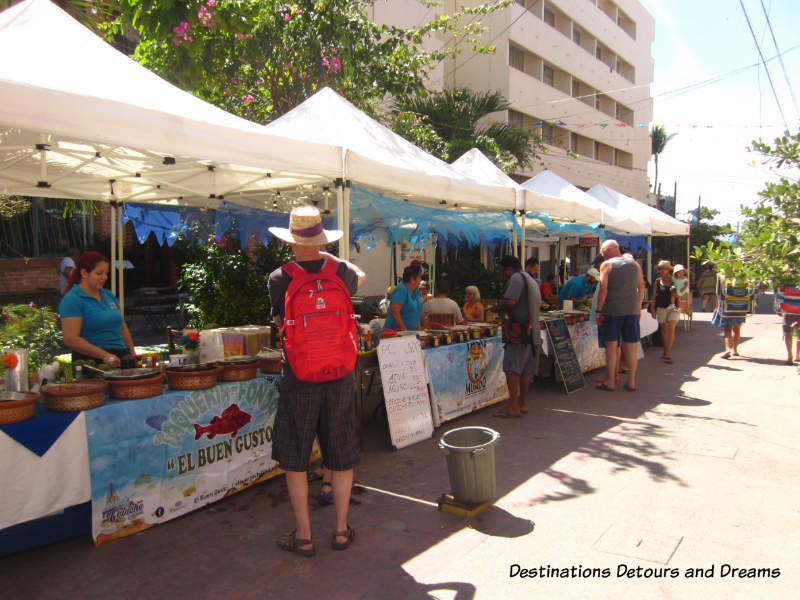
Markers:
(565, 356)
(405, 390)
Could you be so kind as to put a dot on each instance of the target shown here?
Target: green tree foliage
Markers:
(705, 231)
(451, 118)
(260, 58)
(34, 328)
(227, 285)
(768, 245)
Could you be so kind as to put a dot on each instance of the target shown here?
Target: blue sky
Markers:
(697, 40)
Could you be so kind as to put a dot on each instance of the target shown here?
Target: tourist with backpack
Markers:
(310, 299)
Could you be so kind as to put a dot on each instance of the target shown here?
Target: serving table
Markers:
(139, 462)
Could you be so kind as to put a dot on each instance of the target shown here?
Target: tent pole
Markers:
(524, 249)
(346, 205)
(688, 262)
(113, 217)
(340, 216)
(649, 257)
(120, 263)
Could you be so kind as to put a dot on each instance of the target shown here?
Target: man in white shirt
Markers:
(440, 303)
(65, 268)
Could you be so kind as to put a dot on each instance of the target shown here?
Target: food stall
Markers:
(139, 461)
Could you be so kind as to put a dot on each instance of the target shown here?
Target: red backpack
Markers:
(319, 324)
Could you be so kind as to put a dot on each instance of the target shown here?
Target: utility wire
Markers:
(783, 67)
(755, 40)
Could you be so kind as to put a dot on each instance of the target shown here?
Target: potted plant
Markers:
(191, 346)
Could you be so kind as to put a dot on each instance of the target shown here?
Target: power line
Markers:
(783, 67)
(755, 40)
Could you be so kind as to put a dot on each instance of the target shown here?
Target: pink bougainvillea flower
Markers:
(335, 64)
(248, 99)
(211, 3)
(286, 17)
(177, 41)
(188, 38)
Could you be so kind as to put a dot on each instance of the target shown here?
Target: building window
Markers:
(515, 118)
(516, 58)
(576, 35)
(548, 75)
(598, 52)
(547, 134)
(573, 142)
(550, 18)
(576, 88)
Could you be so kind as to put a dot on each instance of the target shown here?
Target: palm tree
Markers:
(658, 139)
(454, 114)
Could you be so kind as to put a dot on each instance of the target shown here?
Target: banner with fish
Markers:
(155, 459)
(466, 377)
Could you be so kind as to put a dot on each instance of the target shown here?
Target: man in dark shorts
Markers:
(520, 304)
(307, 410)
(619, 303)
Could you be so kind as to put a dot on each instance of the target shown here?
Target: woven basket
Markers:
(20, 406)
(270, 361)
(192, 380)
(133, 389)
(238, 372)
(78, 395)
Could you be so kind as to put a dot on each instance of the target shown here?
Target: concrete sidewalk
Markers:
(698, 469)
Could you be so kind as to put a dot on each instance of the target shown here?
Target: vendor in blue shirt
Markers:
(406, 303)
(578, 288)
(90, 317)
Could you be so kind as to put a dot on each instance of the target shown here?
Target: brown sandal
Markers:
(348, 533)
(291, 543)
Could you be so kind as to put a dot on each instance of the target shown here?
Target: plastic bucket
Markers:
(469, 452)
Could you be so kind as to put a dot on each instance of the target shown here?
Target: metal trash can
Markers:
(469, 452)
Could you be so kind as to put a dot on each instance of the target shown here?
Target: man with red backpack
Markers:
(310, 299)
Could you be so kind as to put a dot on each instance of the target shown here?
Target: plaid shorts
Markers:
(323, 410)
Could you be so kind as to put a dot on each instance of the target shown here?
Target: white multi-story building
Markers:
(577, 72)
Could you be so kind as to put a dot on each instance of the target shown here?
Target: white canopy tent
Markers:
(565, 208)
(660, 223)
(549, 184)
(378, 158)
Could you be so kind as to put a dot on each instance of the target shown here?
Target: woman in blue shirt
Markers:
(406, 303)
(90, 317)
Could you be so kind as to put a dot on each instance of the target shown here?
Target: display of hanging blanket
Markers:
(788, 300)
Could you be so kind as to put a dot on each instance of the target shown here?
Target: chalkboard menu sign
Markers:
(405, 389)
(565, 356)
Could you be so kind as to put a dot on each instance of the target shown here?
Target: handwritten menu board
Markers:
(565, 356)
(405, 389)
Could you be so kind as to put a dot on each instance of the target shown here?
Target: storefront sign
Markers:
(588, 241)
(466, 377)
(156, 459)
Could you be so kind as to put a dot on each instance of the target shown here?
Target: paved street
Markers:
(600, 495)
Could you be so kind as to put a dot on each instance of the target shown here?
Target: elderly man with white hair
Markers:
(619, 302)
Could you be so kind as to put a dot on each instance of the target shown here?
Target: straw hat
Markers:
(678, 268)
(305, 229)
(594, 273)
(663, 264)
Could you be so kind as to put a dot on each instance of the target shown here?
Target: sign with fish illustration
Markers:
(156, 459)
(466, 377)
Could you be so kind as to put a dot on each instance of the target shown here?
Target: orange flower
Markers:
(10, 361)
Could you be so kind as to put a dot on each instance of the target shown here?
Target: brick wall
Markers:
(33, 280)
(102, 225)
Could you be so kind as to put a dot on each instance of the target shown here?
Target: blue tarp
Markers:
(168, 222)
(374, 216)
